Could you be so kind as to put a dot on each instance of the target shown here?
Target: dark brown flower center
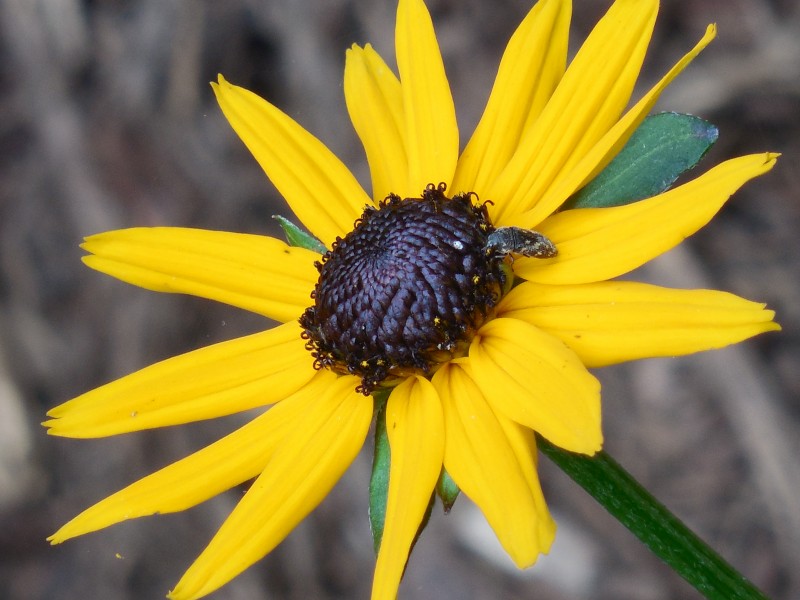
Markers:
(406, 289)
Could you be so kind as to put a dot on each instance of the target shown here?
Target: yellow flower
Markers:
(517, 361)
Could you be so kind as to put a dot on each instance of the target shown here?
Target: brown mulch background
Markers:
(107, 121)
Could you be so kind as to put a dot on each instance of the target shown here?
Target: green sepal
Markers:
(447, 490)
(295, 236)
(663, 147)
(379, 479)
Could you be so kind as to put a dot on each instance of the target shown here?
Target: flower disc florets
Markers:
(406, 289)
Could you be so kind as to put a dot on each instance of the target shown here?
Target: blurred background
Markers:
(107, 120)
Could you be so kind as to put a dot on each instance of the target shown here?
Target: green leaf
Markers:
(649, 520)
(447, 490)
(295, 236)
(379, 480)
(663, 147)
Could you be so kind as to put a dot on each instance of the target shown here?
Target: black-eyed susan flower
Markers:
(457, 288)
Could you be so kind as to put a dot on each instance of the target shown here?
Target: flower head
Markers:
(434, 291)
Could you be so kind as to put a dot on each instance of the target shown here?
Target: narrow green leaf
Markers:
(295, 236)
(649, 520)
(379, 480)
(447, 490)
(663, 147)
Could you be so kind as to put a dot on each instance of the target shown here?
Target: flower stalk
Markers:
(649, 520)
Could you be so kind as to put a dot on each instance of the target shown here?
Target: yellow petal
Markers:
(614, 321)
(595, 244)
(523, 443)
(481, 459)
(416, 437)
(230, 461)
(537, 381)
(531, 67)
(574, 177)
(589, 99)
(319, 188)
(254, 272)
(375, 104)
(210, 382)
(431, 131)
(320, 445)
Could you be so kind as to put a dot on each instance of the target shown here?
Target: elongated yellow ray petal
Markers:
(481, 459)
(523, 443)
(614, 321)
(319, 188)
(232, 460)
(532, 65)
(587, 102)
(210, 382)
(375, 104)
(595, 244)
(537, 381)
(320, 445)
(416, 437)
(580, 168)
(431, 128)
(253, 272)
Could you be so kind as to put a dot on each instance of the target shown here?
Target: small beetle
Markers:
(526, 242)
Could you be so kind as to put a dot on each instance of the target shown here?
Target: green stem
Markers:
(649, 520)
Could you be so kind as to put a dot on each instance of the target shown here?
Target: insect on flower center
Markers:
(408, 287)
